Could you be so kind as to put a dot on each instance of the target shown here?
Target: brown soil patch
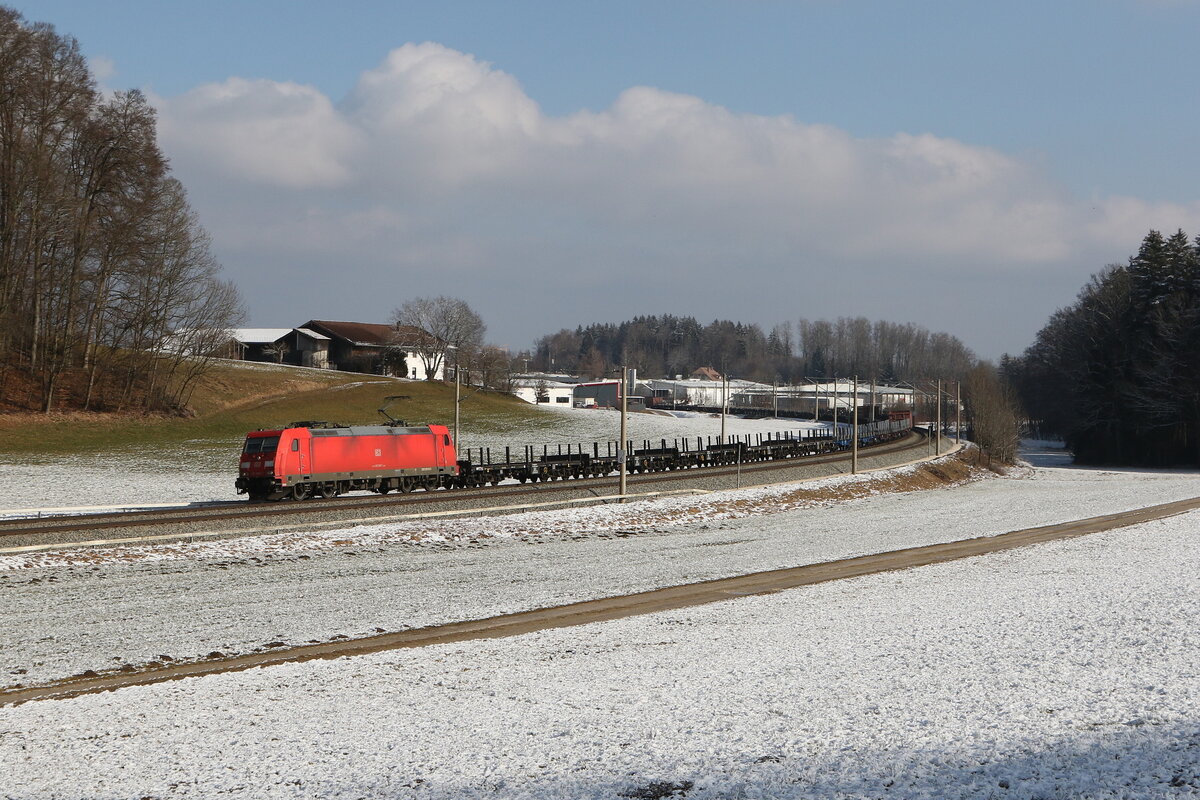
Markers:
(943, 473)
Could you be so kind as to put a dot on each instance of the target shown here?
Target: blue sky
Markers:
(992, 154)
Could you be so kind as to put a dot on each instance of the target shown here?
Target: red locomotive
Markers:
(319, 460)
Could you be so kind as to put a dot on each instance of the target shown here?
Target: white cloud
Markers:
(430, 119)
(103, 69)
(261, 131)
(1122, 222)
(438, 163)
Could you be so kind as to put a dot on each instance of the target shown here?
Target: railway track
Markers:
(241, 518)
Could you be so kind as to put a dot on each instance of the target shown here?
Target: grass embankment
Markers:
(235, 398)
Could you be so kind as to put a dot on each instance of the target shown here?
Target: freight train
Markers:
(317, 459)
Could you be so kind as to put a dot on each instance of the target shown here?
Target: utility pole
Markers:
(854, 423)
(621, 454)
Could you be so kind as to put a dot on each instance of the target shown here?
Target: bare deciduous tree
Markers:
(101, 258)
(992, 414)
(448, 323)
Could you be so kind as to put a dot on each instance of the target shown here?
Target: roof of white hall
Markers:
(259, 335)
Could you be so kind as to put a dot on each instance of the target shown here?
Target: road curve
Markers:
(669, 598)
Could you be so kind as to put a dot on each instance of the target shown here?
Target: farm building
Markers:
(373, 348)
(544, 390)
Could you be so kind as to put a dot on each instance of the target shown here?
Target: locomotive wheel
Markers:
(301, 491)
(407, 484)
(329, 489)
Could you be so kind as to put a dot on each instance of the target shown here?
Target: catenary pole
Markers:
(854, 424)
(724, 403)
(621, 454)
(937, 447)
(958, 412)
(457, 398)
(833, 403)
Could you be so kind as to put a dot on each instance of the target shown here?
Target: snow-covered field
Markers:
(204, 471)
(1063, 670)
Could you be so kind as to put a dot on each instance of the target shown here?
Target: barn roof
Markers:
(368, 334)
(360, 333)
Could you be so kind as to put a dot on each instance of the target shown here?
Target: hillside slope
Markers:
(236, 397)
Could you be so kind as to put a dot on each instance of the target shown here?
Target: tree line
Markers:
(1117, 374)
(668, 345)
(107, 283)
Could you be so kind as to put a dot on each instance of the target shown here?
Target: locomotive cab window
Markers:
(261, 444)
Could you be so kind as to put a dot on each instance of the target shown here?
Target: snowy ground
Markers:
(203, 471)
(1064, 670)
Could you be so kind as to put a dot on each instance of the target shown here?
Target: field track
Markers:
(583, 613)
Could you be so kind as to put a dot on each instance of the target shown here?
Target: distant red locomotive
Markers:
(319, 460)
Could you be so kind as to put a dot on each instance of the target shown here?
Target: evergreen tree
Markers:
(1117, 374)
